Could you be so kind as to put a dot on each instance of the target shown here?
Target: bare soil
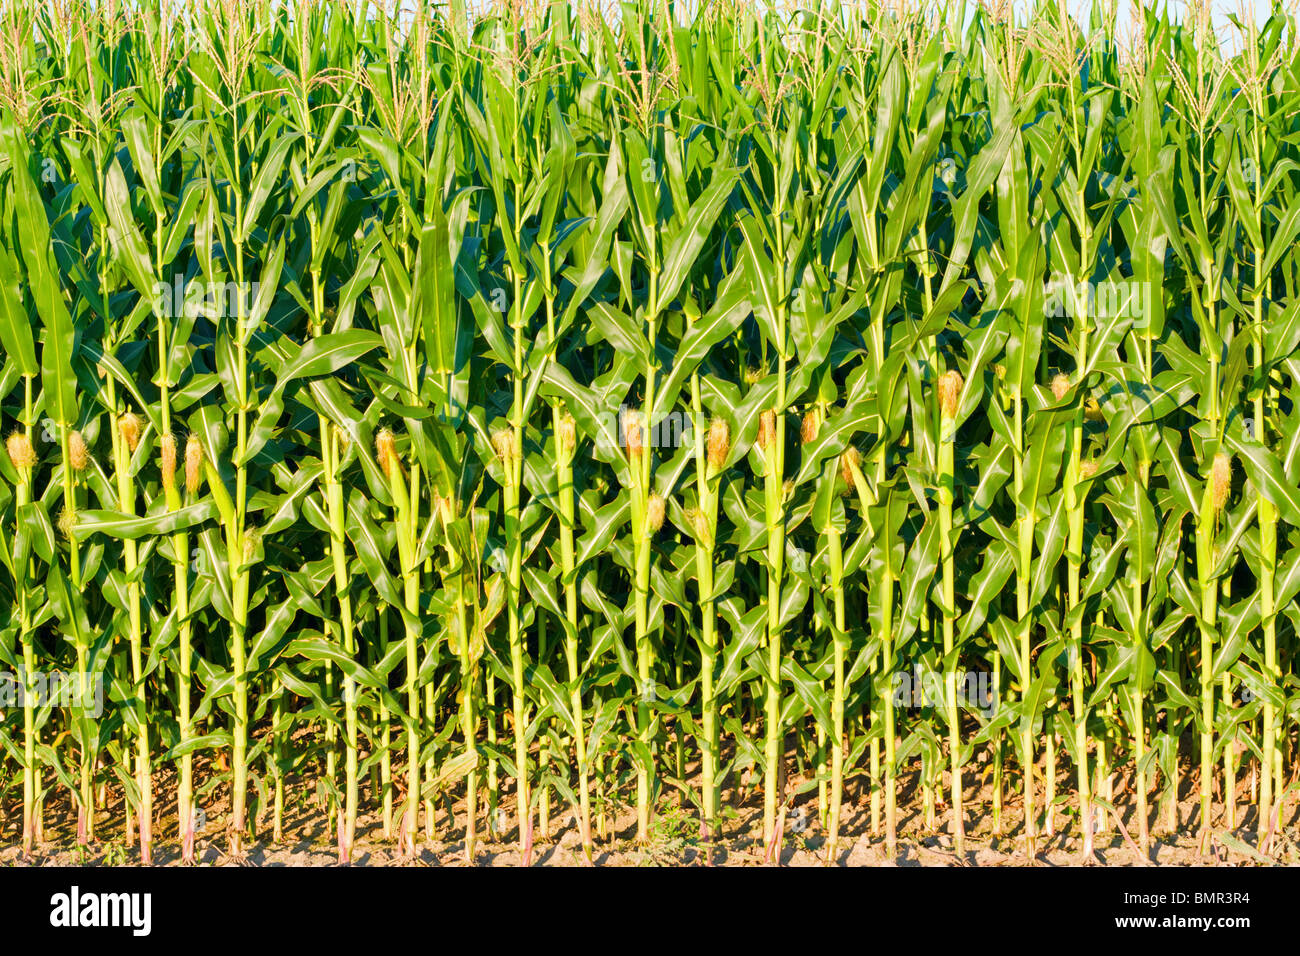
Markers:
(675, 837)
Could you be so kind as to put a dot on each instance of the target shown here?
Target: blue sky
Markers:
(1229, 35)
(1259, 7)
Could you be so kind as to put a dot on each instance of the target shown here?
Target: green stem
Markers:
(947, 439)
(1024, 571)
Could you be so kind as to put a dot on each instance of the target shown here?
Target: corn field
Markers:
(490, 423)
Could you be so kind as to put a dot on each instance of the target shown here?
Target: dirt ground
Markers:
(675, 837)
